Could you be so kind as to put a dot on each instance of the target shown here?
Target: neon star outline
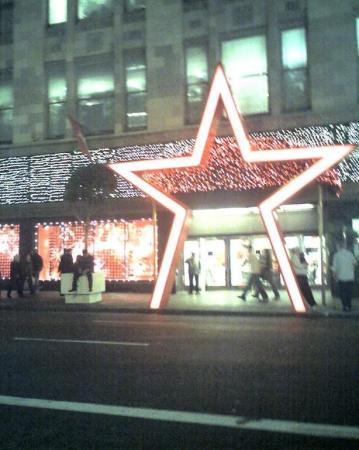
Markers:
(220, 98)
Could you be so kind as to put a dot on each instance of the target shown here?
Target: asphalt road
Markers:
(132, 381)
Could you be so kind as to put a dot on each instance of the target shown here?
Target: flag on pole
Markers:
(78, 134)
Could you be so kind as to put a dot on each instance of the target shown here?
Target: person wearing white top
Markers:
(300, 267)
(254, 278)
(343, 268)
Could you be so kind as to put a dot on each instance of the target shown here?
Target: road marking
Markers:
(150, 324)
(218, 420)
(75, 341)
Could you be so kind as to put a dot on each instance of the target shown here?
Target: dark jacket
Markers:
(17, 271)
(66, 263)
(37, 263)
(87, 263)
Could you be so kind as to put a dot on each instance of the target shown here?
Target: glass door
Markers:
(238, 261)
(212, 257)
(213, 262)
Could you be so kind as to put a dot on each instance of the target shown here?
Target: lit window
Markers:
(95, 92)
(136, 98)
(92, 9)
(295, 74)
(294, 49)
(196, 82)
(56, 94)
(245, 63)
(57, 10)
(124, 250)
(6, 21)
(6, 107)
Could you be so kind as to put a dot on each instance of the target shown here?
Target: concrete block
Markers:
(83, 295)
(75, 298)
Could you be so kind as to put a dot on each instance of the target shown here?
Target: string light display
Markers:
(123, 249)
(226, 170)
(43, 178)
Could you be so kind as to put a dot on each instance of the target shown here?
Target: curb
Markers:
(96, 308)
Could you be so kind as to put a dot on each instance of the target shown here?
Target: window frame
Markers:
(188, 85)
(7, 38)
(56, 24)
(49, 102)
(135, 15)
(85, 65)
(105, 19)
(259, 33)
(6, 77)
(135, 10)
(194, 5)
(304, 69)
(129, 95)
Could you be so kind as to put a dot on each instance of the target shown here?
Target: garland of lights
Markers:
(43, 178)
(226, 170)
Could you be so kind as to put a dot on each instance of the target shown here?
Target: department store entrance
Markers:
(223, 259)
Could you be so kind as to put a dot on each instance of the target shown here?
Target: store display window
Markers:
(123, 250)
(9, 247)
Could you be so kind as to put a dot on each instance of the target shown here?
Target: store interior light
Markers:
(250, 210)
(296, 207)
(225, 211)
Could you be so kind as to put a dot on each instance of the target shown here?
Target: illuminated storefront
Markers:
(9, 246)
(220, 238)
(123, 250)
(223, 259)
(228, 182)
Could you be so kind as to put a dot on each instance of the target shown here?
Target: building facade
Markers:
(135, 74)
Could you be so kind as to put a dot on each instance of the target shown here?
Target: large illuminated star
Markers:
(220, 98)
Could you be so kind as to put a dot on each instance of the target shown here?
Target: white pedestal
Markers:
(83, 295)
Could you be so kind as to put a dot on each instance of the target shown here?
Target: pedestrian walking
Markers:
(193, 273)
(37, 265)
(266, 273)
(343, 268)
(300, 267)
(254, 277)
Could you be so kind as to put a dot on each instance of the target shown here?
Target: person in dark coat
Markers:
(17, 277)
(84, 266)
(37, 265)
(267, 272)
(66, 262)
(194, 269)
(28, 271)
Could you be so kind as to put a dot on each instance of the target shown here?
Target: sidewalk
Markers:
(215, 302)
